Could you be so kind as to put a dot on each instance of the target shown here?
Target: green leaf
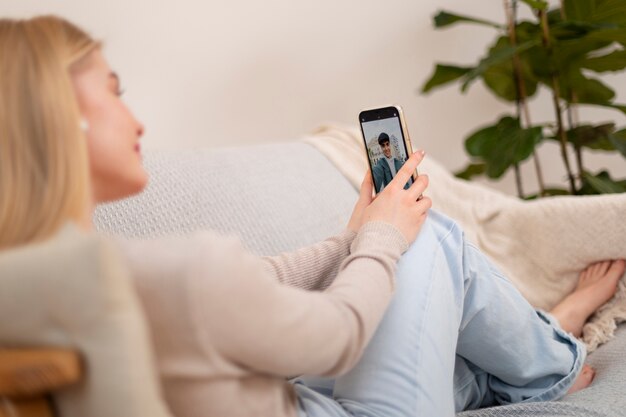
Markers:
(568, 53)
(610, 35)
(615, 61)
(586, 90)
(596, 11)
(471, 170)
(618, 139)
(444, 74)
(502, 145)
(579, 10)
(568, 30)
(601, 137)
(610, 11)
(496, 57)
(479, 143)
(536, 4)
(603, 183)
(554, 16)
(594, 137)
(444, 19)
(500, 78)
(540, 64)
(526, 31)
(618, 107)
(572, 42)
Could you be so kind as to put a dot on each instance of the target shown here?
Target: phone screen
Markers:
(385, 145)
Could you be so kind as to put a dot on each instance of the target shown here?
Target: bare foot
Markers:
(584, 379)
(596, 285)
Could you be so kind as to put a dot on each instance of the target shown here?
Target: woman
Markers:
(229, 328)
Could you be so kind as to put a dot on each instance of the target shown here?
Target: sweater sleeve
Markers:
(314, 267)
(255, 322)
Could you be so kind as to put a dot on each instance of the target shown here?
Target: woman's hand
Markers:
(394, 204)
(365, 199)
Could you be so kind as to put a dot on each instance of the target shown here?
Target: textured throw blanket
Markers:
(540, 245)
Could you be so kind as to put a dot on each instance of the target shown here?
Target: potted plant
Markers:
(560, 49)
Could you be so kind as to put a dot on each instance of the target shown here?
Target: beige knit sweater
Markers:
(228, 327)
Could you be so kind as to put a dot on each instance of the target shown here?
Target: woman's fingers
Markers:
(400, 207)
(418, 187)
(423, 205)
(406, 172)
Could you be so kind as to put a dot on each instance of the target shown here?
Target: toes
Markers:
(583, 380)
(589, 271)
(583, 275)
(595, 268)
(604, 266)
(620, 264)
(599, 268)
(617, 268)
(586, 376)
(594, 272)
(591, 374)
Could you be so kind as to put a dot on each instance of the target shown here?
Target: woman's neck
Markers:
(86, 221)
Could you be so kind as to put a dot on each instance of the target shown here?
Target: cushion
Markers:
(73, 291)
(274, 197)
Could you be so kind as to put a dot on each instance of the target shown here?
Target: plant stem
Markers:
(556, 93)
(579, 161)
(522, 102)
(572, 119)
(518, 181)
(510, 13)
(573, 116)
(562, 134)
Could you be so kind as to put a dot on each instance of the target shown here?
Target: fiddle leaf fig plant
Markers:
(561, 49)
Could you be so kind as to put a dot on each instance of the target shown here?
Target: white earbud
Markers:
(84, 124)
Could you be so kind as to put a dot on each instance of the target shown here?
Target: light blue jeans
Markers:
(456, 336)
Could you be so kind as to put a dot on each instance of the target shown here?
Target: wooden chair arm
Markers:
(32, 372)
(33, 407)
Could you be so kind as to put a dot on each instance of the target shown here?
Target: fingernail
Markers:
(420, 151)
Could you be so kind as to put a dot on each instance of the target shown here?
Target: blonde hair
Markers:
(44, 170)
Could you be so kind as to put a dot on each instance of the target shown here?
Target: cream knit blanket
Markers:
(540, 245)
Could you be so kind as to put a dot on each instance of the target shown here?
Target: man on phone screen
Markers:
(388, 166)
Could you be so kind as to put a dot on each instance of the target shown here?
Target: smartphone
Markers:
(387, 144)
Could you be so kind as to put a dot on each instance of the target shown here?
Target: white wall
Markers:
(247, 71)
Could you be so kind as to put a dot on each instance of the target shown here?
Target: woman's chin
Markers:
(138, 185)
(124, 189)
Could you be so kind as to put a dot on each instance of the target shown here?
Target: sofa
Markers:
(282, 196)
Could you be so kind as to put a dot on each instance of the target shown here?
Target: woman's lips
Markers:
(137, 147)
